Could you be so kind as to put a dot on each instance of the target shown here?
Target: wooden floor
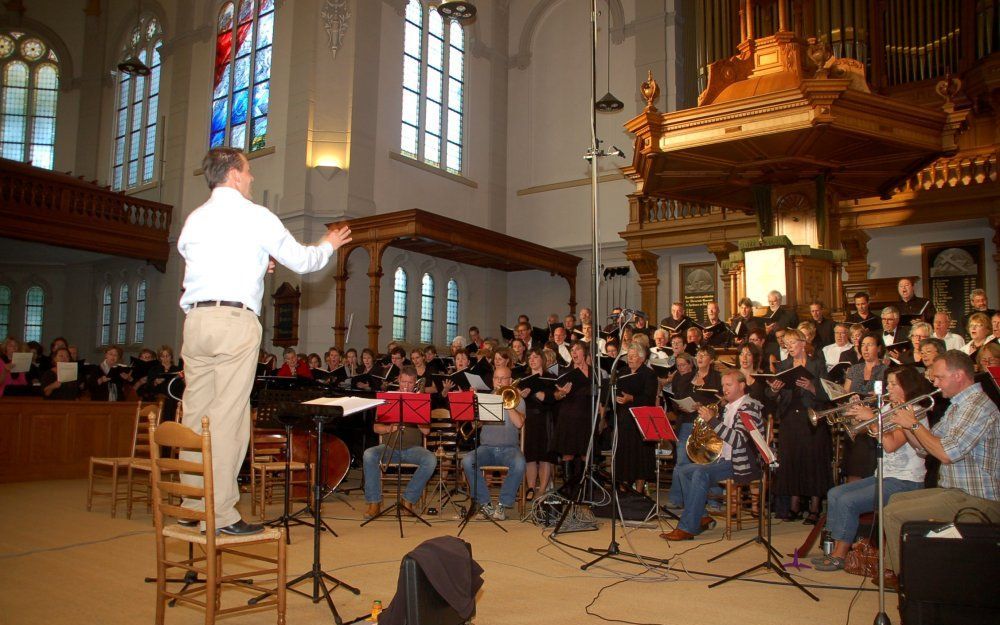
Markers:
(62, 565)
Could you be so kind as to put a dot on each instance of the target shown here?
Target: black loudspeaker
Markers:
(949, 581)
(424, 606)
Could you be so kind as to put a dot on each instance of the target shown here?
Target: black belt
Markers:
(216, 302)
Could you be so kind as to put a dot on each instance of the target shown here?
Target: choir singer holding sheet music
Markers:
(739, 458)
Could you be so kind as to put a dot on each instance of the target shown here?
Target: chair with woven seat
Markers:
(209, 563)
(739, 499)
(141, 465)
(111, 467)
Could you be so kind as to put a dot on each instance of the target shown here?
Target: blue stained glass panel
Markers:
(119, 151)
(219, 110)
(133, 172)
(246, 45)
(265, 6)
(14, 128)
(137, 116)
(150, 140)
(147, 170)
(238, 136)
(43, 130)
(140, 89)
(123, 91)
(42, 156)
(217, 139)
(259, 133)
(133, 149)
(117, 178)
(154, 107)
(122, 121)
(246, 10)
(261, 98)
(240, 107)
(226, 17)
(265, 30)
(242, 76)
(223, 87)
(13, 151)
(16, 75)
(262, 70)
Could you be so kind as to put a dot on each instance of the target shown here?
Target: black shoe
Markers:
(811, 519)
(188, 522)
(241, 528)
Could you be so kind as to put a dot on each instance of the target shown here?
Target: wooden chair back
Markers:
(145, 415)
(181, 439)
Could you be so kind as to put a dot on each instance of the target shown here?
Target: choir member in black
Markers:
(681, 387)
(858, 332)
(52, 388)
(675, 322)
(743, 322)
(778, 316)
(840, 350)
(824, 325)
(695, 339)
(720, 336)
(424, 371)
(642, 327)
(891, 332)
(519, 354)
(805, 450)
(539, 424)
(661, 346)
(774, 351)
(995, 320)
(158, 377)
(910, 304)
(266, 363)
(981, 331)
(368, 367)
(749, 361)
(635, 459)
(351, 362)
(808, 330)
(461, 364)
(573, 423)
(863, 314)
(316, 366)
(980, 304)
(108, 382)
(142, 381)
(859, 461)
(706, 375)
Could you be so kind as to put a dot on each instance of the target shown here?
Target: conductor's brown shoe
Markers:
(373, 510)
(677, 534)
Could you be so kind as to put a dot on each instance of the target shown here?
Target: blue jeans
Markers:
(674, 496)
(420, 456)
(487, 455)
(693, 481)
(848, 501)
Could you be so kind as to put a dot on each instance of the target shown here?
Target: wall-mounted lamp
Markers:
(327, 171)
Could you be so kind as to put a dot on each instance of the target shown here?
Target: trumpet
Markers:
(838, 414)
(918, 411)
(703, 445)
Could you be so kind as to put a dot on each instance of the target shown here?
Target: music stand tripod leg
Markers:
(474, 505)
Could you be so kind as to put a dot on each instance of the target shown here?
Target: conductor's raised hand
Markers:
(336, 238)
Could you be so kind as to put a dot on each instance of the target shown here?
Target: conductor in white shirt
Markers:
(228, 244)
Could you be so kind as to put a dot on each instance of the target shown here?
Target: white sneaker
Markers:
(487, 511)
(499, 513)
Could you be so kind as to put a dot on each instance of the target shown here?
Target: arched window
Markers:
(427, 309)
(433, 88)
(241, 87)
(137, 110)
(106, 316)
(139, 330)
(122, 313)
(452, 312)
(34, 312)
(30, 89)
(399, 306)
(4, 311)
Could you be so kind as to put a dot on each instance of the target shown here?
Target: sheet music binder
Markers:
(416, 408)
(653, 423)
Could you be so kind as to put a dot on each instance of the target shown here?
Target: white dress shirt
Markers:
(951, 340)
(832, 352)
(225, 244)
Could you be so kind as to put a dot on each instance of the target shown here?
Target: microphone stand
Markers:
(881, 618)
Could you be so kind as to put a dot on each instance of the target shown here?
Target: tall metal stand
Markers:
(286, 519)
(881, 618)
(474, 504)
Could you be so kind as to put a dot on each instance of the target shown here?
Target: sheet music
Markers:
(351, 405)
(476, 382)
(687, 404)
(758, 440)
(20, 362)
(833, 390)
(66, 371)
(490, 407)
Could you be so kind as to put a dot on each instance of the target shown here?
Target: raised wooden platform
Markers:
(44, 440)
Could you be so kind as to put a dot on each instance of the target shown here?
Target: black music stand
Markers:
(321, 415)
(772, 559)
(465, 407)
(401, 409)
(287, 422)
(655, 428)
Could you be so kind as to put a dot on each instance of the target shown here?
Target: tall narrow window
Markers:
(427, 309)
(452, 312)
(433, 88)
(241, 87)
(399, 306)
(34, 312)
(30, 89)
(122, 313)
(139, 329)
(137, 110)
(4, 311)
(106, 316)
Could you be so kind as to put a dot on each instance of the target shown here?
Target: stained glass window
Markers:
(122, 313)
(34, 309)
(139, 328)
(399, 305)
(106, 316)
(29, 90)
(451, 318)
(242, 77)
(433, 88)
(4, 308)
(137, 110)
(427, 309)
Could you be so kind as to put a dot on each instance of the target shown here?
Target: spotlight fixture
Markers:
(134, 67)
(609, 104)
(459, 10)
(327, 171)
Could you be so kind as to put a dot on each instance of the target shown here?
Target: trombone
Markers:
(918, 411)
(838, 415)
(509, 394)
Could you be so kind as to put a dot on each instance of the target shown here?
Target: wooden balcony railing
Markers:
(962, 170)
(59, 209)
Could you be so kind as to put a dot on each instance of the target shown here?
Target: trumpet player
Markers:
(737, 459)
(903, 470)
(499, 445)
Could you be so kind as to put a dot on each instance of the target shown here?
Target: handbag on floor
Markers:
(862, 559)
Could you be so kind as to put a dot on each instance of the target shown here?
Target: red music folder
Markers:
(462, 404)
(414, 407)
(653, 423)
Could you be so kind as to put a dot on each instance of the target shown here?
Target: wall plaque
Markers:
(699, 286)
(952, 269)
(286, 315)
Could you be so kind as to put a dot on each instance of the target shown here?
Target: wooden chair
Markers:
(140, 467)
(743, 499)
(393, 485)
(268, 449)
(110, 468)
(443, 441)
(212, 547)
(496, 474)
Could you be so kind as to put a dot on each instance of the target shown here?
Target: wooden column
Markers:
(571, 280)
(340, 279)
(375, 251)
(838, 288)
(645, 264)
(721, 250)
(855, 243)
